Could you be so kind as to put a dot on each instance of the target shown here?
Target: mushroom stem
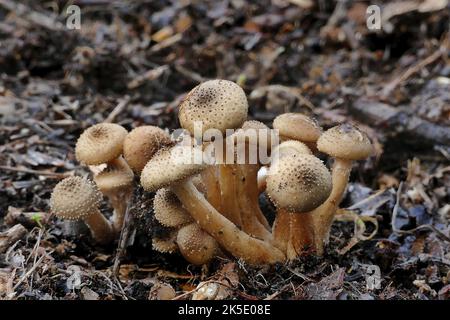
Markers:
(249, 208)
(119, 201)
(301, 235)
(281, 229)
(229, 205)
(100, 227)
(237, 242)
(324, 215)
(210, 179)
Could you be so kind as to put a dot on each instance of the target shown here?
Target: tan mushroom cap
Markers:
(116, 175)
(168, 209)
(219, 104)
(196, 246)
(75, 198)
(100, 143)
(141, 144)
(345, 142)
(298, 183)
(297, 126)
(290, 147)
(167, 244)
(170, 165)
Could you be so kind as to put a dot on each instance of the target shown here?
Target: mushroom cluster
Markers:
(211, 206)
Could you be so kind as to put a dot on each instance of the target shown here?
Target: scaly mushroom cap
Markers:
(116, 175)
(141, 144)
(170, 165)
(290, 147)
(345, 142)
(219, 104)
(196, 246)
(75, 198)
(297, 126)
(168, 209)
(100, 143)
(166, 244)
(298, 183)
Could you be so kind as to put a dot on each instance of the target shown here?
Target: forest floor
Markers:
(132, 62)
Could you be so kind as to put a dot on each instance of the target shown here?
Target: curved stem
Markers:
(210, 177)
(119, 201)
(229, 205)
(101, 229)
(235, 241)
(301, 235)
(281, 229)
(323, 216)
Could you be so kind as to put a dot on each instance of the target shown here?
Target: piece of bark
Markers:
(11, 236)
(400, 120)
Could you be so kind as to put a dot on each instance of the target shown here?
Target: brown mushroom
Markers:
(166, 169)
(297, 126)
(298, 184)
(103, 144)
(75, 198)
(141, 144)
(345, 143)
(196, 246)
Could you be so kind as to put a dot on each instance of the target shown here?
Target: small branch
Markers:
(117, 110)
(37, 172)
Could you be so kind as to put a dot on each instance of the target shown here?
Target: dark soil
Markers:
(140, 58)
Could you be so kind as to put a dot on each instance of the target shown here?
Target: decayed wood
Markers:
(399, 120)
(10, 236)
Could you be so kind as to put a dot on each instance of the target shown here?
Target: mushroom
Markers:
(141, 144)
(196, 246)
(166, 169)
(297, 126)
(220, 105)
(297, 184)
(166, 243)
(345, 143)
(281, 228)
(75, 198)
(103, 144)
(116, 182)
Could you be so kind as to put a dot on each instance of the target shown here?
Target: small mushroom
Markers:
(298, 184)
(166, 243)
(196, 246)
(103, 144)
(168, 209)
(141, 144)
(297, 126)
(166, 169)
(346, 143)
(75, 198)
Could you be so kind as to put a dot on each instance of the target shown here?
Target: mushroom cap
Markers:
(298, 183)
(116, 175)
(290, 147)
(196, 246)
(168, 209)
(166, 244)
(100, 143)
(142, 143)
(297, 126)
(219, 104)
(170, 165)
(345, 142)
(75, 198)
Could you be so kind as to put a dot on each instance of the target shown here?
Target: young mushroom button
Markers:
(75, 198)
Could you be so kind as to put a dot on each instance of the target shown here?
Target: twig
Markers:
(410, 71)
(124, 235)
(29, 272)
(412, 231)
(117, 110)
(37, 172)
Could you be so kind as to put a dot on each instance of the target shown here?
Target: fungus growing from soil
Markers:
(103, 144)
(166, 169)
(297, 126)
(76, 198)
(346, 144)
(297, 184)
(141, 144)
